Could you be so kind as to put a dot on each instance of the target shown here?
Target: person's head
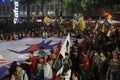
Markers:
(51, 51)
(41, 49)
(95, 53)
(12, 68)
(19, 69)
(103, 56)
(75, 76)
(30, 54)
(41, 59)
(117, 48)
(13, 64)
(75, 47)
(53, 56)
(66, 55)
(115, 55)
(50, 61)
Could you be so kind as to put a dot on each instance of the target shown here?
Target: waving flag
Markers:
(82, 23)
(73, 24)
(109, 17)
(66, 46)
(96, 27)
(61, 20)
(103, 29)
(47, 20)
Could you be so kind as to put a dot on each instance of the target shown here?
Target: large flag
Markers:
(96, 27)
(66, 46)
(64, 49)
(82, 23)
(73, 24)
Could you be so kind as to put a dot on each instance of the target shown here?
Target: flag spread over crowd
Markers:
(18, 50)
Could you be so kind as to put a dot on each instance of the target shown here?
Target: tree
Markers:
(73, 5)
(90, 5)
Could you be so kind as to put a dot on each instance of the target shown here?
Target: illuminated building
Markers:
(7, 8)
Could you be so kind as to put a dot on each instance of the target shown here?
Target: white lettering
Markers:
(16, 11)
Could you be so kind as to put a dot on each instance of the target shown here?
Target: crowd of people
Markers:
(97, 57)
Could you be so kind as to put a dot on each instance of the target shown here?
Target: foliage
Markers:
(90, 4)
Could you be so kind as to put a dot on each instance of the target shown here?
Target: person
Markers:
(85, 43)
(12, 68)
(32, 63)
(114, 67)
(64, 72)
(96, 64)
(57, 63)
(117, 50)
(10, 71)
(103, 66)
(52, 51)
(67, 60)
(74, 56)
(45, 34)
(40, 71)
(22, 75)
(48, 73)
(41, 52)
(84, 66)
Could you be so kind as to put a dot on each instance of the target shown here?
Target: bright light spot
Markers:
(3, 0)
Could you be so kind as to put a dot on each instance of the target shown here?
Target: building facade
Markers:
(50, 8)
(6, 8)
